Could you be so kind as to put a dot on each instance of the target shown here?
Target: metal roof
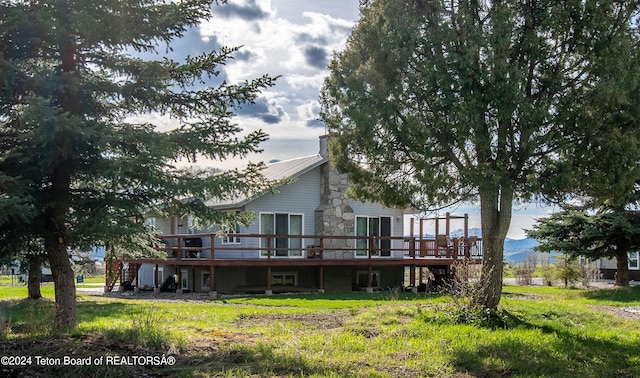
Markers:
(286, 169)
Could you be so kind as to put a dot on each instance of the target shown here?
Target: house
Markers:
(608, 267)
(309, 236)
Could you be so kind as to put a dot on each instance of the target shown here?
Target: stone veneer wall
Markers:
(334, 216)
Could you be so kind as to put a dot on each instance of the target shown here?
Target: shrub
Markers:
(524, 271)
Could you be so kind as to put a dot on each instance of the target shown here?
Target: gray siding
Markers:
(303, 197)
(299, 197)
(606, 263)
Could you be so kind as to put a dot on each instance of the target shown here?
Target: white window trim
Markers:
(184, 275)
(302, 243)
(234, 240)
(637, 259)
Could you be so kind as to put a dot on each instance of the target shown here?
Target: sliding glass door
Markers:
(283, 226)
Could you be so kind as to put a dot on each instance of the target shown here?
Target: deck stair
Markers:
(114, 272)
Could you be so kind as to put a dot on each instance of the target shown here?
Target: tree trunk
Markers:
(55, 244)
(59, 202)
(65, 288)
(35, 276)
(495, 208)
(622, 271)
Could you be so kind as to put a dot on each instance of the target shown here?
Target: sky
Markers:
(293, 39)
(523, 217)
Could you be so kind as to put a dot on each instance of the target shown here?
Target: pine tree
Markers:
(73, 86)
(437, 102)
(607, 233)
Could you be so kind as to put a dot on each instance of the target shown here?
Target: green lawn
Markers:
(539, 331)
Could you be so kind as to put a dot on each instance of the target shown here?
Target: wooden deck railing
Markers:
(251, 246)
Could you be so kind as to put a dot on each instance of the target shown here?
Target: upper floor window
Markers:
(192, 225)
(229, 238)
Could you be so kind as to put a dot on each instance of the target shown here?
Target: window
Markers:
(373, 227)
(192, 225)
(231, 229)
(150, 222)
(633, 260)
(284, 279)
(363, 278)
(282, 226)
(160, 275)
(206, 280)
(231, 239)
(184, 284)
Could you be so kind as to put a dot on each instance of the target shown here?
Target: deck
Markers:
(260, 250)
(276, 250)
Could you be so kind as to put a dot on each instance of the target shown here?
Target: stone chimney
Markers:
(334, 216)
(324, 146)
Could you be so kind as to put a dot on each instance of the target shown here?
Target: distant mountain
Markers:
(527, 243)
(515, 251)
(472, 232)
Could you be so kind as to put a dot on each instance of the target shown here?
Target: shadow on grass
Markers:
(93, 311)
(567, 354)
(618, 294)
(257, 360)
(330, 300)
(37, 316)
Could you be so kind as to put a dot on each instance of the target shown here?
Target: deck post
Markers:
(448, 224)
(269, 251)
(412, 275)
(179, 283)
(212, 281)
(412, 241)
(321, 279)
(369, 279)
(213, 250)
(456, 246)
(268, 291)
(466, 236)
(423, 253)
(192, 273)
(179, 246)
(136, 288)
(121, 274)
(466, 225)
(156, 286)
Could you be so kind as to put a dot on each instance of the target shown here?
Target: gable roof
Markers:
(287, 169)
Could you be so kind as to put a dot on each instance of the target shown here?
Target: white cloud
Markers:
(299, 81)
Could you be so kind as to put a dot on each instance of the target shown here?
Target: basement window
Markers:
(284, 279)
(205, 282)
(363, 278)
